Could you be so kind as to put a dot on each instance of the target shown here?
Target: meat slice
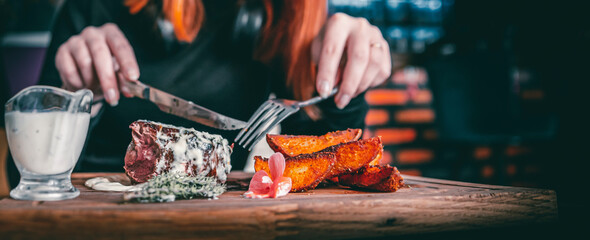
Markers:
(158, 148)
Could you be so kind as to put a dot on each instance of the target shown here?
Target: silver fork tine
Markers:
(256, 114)
(260, 123)
(261, 126)
(277, 120)
(262, 118)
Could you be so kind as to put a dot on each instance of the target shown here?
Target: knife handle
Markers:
(137, 89)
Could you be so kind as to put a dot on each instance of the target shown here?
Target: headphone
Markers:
(247, 29)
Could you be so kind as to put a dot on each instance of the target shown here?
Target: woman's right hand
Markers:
(99, 58)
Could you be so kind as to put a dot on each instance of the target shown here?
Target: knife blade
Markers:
(183, 108)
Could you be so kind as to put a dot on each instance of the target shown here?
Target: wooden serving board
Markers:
(426, 206)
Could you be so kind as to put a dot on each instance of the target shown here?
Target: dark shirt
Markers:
(205, 71)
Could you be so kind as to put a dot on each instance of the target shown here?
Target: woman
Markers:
(184, 47)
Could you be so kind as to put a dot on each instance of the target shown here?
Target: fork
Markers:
(268, 115)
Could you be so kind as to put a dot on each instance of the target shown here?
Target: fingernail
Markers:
(111, 96)
(324, 89)
(343, 101)
(133, 75)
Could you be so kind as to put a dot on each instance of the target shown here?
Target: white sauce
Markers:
(104, 184)
(179, 150)
(46, 142)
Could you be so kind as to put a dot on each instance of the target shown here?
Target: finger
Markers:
(122, 51)
(358, 59)
(384, 65)
(65, 85)
(103, 64)
(66, 66)
(95, 86)
(336, 34)
(316, 46)
(369, 77)
(116, 66)
(121, 78)
(81, 55)
(379, 65)
(124, 90)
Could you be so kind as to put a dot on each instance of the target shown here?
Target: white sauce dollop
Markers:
(104, 184)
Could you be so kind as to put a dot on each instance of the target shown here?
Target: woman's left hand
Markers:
(368, 61)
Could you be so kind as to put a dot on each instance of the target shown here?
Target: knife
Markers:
(183, 108)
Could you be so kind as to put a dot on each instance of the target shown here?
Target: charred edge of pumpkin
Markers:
(383, 186)
(349, 179)
(380, 167)
(334, 149)
(276, 148)
(273, 145)
(390, 184)
(398, 175)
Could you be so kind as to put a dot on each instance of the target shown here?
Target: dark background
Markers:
(483, 91)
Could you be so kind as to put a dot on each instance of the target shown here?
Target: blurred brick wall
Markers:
(401, 112)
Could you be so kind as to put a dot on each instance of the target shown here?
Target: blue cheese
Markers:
(192, 152)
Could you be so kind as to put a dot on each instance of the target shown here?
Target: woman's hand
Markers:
(368, 61)
(99, 58)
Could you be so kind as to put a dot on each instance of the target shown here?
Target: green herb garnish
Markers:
(169, 187)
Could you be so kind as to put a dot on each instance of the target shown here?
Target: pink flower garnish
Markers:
(262, 186)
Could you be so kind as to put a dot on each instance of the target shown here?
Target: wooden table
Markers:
(428, 206)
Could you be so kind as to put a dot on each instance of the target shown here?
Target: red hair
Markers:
(287, 35)
(185, 15)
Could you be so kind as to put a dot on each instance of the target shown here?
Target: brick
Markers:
(411, 172)
(422, 97)
(386, 159)
(513, 151)
(377, 117)
(430, 134)
(414, 156)
(511, 170)
(487, 171)
(391, 136)
(424, 115)
(480, 153)
(533, 94)
(385, 97)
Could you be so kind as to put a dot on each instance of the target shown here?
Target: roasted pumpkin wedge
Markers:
(306, 170)
(351, 156)
(366, 176)
(293, 145)
(391, 184)
(376, 178)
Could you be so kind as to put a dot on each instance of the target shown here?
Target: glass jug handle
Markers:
(82, 101)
